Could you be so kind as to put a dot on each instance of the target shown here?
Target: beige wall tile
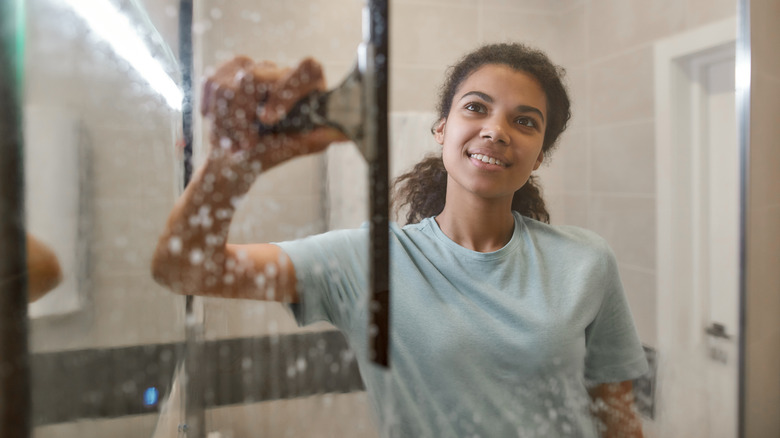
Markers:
(576, 81)
(427, 35)
(700, 12)
(628, 225)
(302, 176)
(130, 309)
(226, 318)
(281, 31)
(572, 44)
(123, 309)
(617, 25)
(765, 159)
(762, 284)
(416, 88)
(513, 25)
(555, 203)
(578, 211)
(623, 158)
(132, 163)
(572, 160)
(277, 218)
(124, 234)
(621, 88)
(533, 5)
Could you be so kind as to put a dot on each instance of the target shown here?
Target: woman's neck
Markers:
(477, 224)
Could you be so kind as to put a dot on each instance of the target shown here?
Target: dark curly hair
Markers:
(423, 189)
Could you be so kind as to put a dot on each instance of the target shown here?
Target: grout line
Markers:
(645, 196)
(626, 51)
(631, 122)
(640, 269)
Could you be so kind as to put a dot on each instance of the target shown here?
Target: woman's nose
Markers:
(496, 131)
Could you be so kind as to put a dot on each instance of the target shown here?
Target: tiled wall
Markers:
(603, 176)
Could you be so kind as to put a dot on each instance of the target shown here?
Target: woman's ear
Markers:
(438, 131)
(539, 160)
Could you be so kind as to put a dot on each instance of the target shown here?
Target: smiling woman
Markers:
(502, 325)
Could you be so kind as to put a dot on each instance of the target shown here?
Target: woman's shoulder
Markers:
(565, 237)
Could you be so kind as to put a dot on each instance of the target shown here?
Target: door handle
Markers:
(717, 330)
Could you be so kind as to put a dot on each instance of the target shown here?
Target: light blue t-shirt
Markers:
(497, 344)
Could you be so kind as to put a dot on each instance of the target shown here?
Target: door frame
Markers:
(679, 312)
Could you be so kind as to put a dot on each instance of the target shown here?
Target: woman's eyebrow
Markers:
(530, 109)
(519, 108)
(479, 94)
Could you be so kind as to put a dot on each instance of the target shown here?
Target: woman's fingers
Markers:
(290, 88)
(233, 96)
(276, 148)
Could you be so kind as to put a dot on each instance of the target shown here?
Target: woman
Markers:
(501, 324)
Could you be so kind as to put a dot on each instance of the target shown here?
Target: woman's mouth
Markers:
(488, 160)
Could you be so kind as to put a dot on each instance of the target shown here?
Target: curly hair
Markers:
(423, 189)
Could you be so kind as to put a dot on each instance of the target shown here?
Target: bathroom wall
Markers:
(605, 168)
(762, 250)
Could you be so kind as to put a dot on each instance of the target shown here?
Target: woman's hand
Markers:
(243, 92)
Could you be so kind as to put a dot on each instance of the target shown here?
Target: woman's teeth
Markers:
(486, 159)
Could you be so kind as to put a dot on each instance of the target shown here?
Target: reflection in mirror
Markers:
(262, 374)
(101, 120)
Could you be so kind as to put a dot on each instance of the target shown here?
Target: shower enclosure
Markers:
(100, 134)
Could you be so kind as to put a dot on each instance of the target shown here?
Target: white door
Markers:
(697, 174)
(719, 225)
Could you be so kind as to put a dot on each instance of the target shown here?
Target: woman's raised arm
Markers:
(192, 254)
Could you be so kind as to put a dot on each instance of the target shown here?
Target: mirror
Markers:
(107, 342)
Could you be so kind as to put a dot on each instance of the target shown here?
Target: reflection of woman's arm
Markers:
(613, 405)
(43, 269)
(192, 255)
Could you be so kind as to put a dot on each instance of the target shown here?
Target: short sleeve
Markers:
(331, 271)
(613, 350)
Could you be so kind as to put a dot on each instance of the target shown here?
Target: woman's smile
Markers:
(487, 162)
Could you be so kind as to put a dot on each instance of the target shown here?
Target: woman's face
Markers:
(492, 138)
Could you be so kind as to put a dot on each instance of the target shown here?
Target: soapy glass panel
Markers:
(271, 377)
(102, 119)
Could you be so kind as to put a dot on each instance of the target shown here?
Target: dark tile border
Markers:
(109, 383)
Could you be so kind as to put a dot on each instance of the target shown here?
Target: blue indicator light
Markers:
(150, 396)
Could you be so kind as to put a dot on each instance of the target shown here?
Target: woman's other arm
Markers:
(613, 405)
(192, 254)
(43, 269)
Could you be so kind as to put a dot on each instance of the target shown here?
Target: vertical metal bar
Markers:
(15, 389)
(185, 60)
(379, 324)
(742, 76)
(194, 415)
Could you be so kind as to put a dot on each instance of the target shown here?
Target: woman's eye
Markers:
(525, 121)
(473, 106)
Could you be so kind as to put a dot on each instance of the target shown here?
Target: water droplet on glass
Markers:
(174, 245)
(196, 256)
